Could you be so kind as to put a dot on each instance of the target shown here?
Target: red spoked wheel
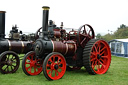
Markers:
(84, 34)
(38, 33)
(32, 65)
(9, 62)
(54, 66)
(97, 56)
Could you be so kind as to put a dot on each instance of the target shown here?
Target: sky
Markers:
(102, 15)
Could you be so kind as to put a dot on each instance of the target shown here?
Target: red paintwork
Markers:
(32, 66)
(100, 65)
(53, 73)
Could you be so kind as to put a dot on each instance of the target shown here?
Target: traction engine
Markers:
(17, 43)
(55, 50)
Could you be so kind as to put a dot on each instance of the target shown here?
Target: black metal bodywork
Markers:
(55, 39)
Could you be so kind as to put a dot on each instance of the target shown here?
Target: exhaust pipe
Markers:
(45, 21)
(2, 24)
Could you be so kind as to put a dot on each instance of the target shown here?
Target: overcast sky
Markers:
(102, 15)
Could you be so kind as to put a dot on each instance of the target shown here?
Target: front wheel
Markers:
(54, 66)
(31, 65)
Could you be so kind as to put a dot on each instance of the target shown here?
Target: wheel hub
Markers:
(56, 67)
(33, 63)
(9, 62)
(98, 56)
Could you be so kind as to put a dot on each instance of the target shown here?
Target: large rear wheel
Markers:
(96, 56)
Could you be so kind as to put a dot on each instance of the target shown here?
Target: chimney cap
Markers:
(46, 8)
(2, 11)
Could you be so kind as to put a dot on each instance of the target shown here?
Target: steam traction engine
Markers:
(55, 50)
(9, 47)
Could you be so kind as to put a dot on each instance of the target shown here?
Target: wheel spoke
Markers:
(83, 40)
(102, 53)
(105, 57)
(11, 68)
(95, 48)
(101, 64)
(49, 70)
(31, 57)
(28, 67)
(60, 67)
(93, 59)
(83, 35)
(60, 63)
(102, 49)
(85, 30)
(13, 58)
(7, 68)
(99, 47)
(97, 65)
(39, 69)
(3, 62)
(48, 65)
(58, 60)
(55, 73)
(93, 54)
(53, 58)
(8, 57)
(27, 63)
(89, 32)
(93, 65)
(13, 61)
(58, 72)
(101, 60)
(50, 60)
(34, 69)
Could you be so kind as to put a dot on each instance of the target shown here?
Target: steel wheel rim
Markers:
(33, 66)
(100, 57)
(9, 63)
(56, 67)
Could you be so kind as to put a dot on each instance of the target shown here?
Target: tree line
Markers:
(120, 33)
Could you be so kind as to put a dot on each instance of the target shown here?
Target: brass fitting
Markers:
(46, 8)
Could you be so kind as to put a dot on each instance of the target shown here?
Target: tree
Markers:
(98, 36)
(122, 26)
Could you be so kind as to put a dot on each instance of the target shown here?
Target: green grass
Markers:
(116, 75)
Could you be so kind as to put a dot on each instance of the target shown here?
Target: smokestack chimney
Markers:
(2, 24)
(45, 20)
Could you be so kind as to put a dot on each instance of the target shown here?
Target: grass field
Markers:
(116, 75)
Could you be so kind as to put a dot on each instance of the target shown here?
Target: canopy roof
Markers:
(121, 40)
